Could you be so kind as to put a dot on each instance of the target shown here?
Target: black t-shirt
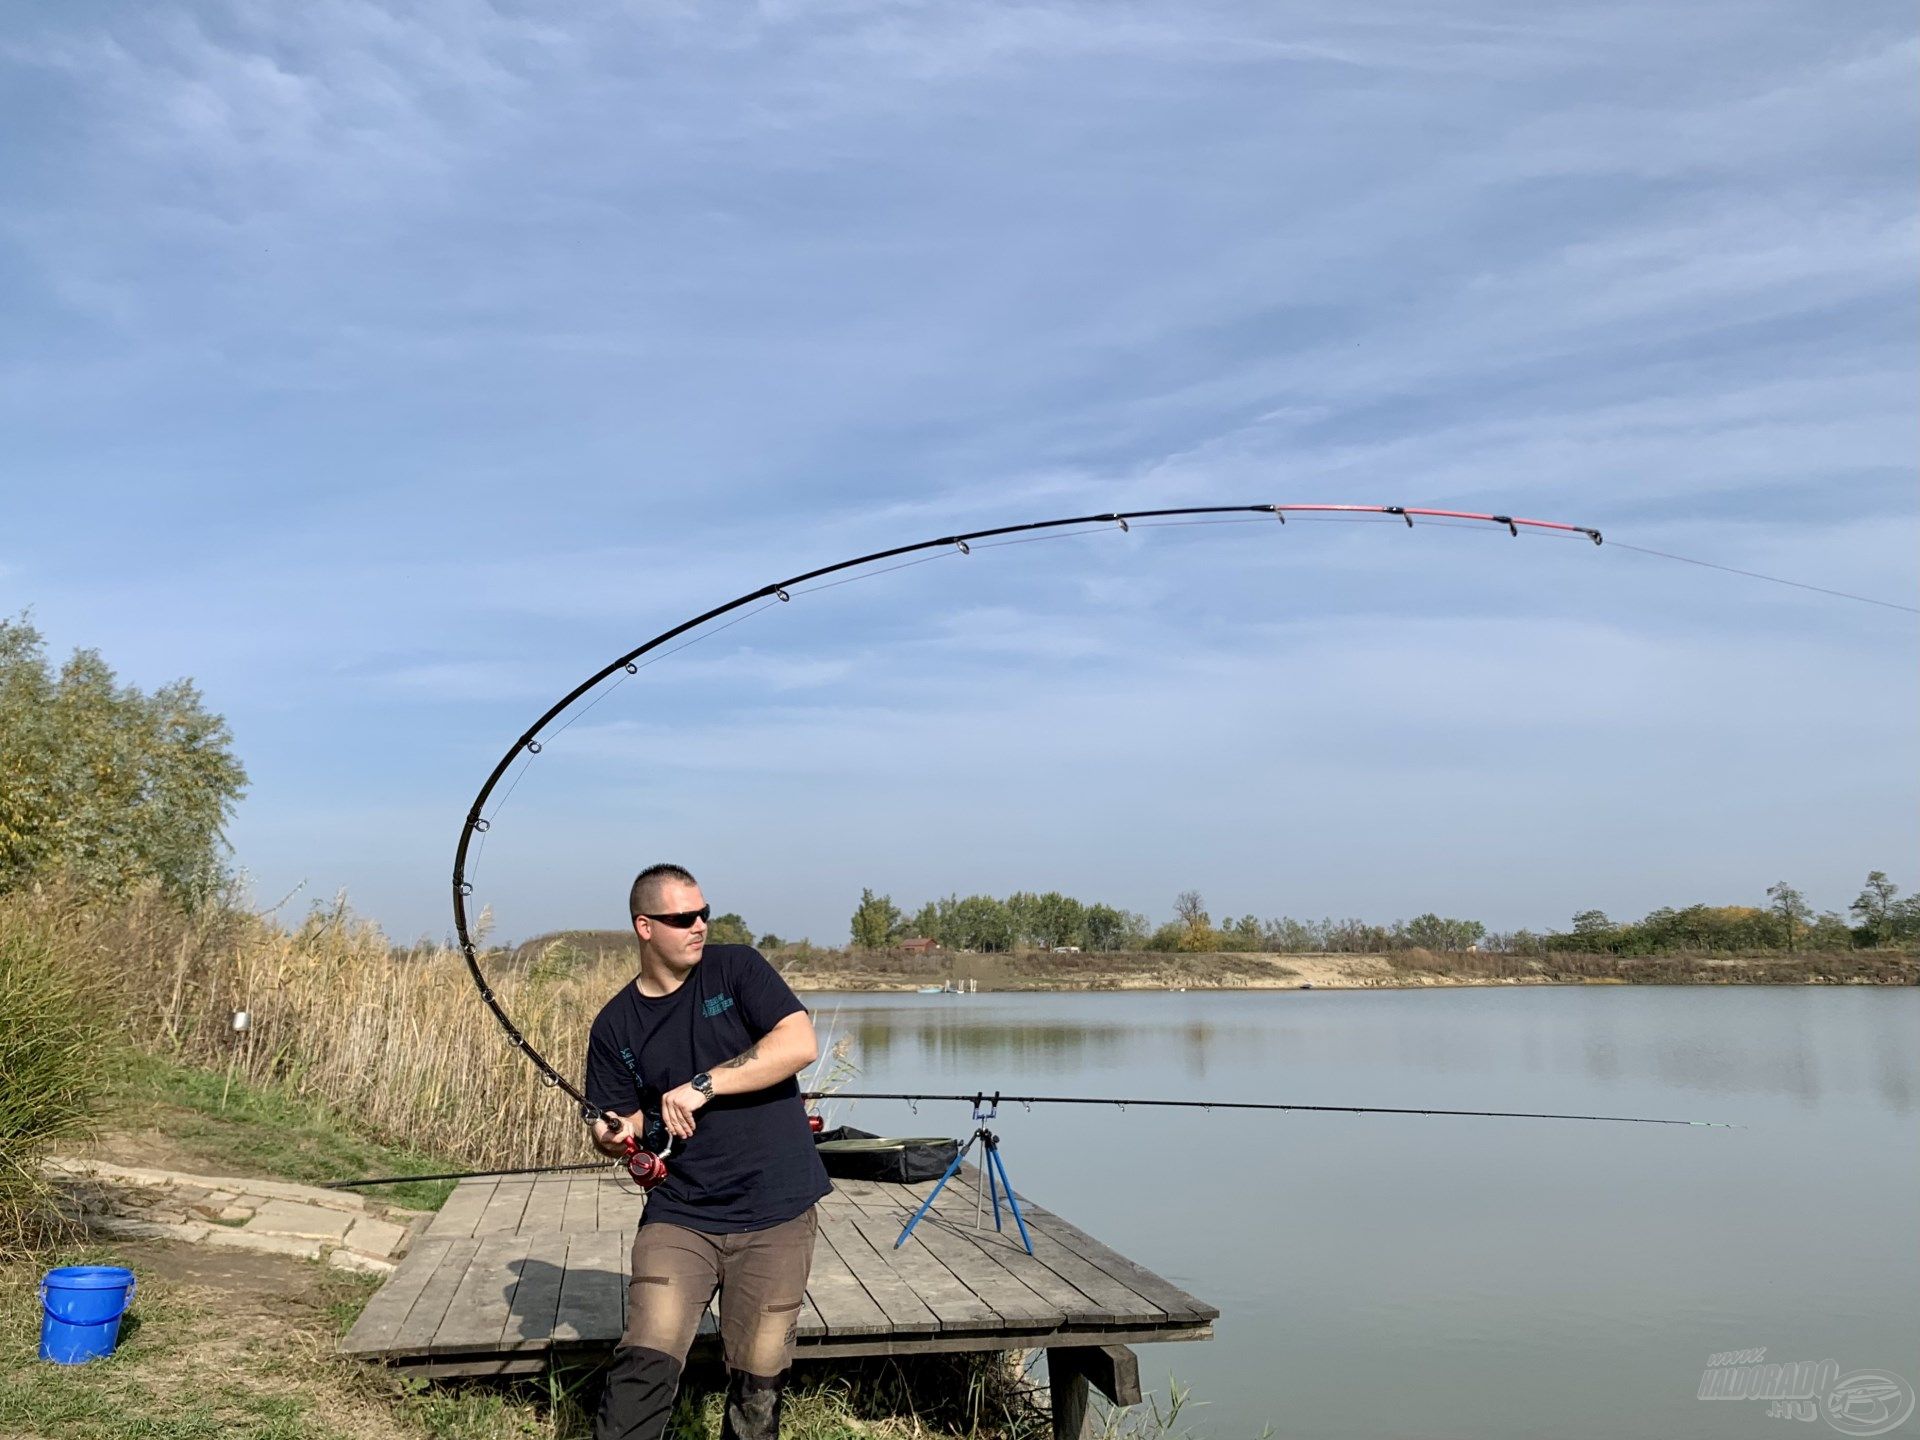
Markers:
(751, 1162)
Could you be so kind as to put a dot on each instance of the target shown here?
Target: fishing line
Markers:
(885, 570)
(1770, 579)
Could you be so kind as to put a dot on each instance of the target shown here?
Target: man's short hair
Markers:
(644, 897)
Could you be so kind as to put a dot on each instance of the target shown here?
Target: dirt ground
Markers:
(155, 1151)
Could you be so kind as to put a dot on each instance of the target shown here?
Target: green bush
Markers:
(104, 786)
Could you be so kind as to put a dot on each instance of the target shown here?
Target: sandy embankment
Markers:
(1041, 971)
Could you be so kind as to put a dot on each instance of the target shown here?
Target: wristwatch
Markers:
(703, 1082)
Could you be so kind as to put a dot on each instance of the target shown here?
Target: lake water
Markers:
(1387, 1276)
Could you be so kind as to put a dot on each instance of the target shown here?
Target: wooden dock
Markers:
(513, 1270)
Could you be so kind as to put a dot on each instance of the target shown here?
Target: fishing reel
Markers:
(646, 1153)
(647, 1167)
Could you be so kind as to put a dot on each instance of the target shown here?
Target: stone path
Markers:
(349, 1232)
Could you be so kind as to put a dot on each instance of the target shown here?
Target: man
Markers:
(720, 1036)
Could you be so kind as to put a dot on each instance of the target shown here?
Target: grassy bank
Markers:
(178, 1117)
(232, 1346)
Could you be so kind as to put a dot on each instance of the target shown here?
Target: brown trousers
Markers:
(762, 1279)
(761, 1276)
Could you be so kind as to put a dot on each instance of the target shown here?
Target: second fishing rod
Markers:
(996, 1098)
(648, 1168)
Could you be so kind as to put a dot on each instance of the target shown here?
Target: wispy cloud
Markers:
(390, 369)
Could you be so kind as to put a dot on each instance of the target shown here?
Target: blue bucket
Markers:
(81, 1308)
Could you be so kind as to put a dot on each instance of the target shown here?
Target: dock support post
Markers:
(1073, 1371)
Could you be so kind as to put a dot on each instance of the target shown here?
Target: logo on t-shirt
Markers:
(716, 1005)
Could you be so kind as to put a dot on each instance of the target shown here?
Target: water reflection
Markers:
(1408, 1277)
(1606, 1037)
(956, 1035)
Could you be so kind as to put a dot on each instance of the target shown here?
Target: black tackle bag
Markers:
(851, 1154)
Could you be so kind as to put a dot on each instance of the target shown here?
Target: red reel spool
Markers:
(646, 1168)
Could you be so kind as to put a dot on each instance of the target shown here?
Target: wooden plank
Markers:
(1142, 1281)
(1108, 1300)
(529, 1276)
(536, 1299)
(810, 1324)
(1038, 1274)
(953, 1304)
(1169, 1298)
(950, 1342)
(1105, 1299)
(897, 1300)
(1074, 1369)
(840, 1301)
(504, 1208)
(962, 1200)
(386, 1312)
(582, 1212)
(416, 1331)
(995, 1282)
(467, 1367)
(997, 1287)
(546, 1205)
(593, 1292)
(620, 1205)
(1067, 1393)
(455, 1219)
(867, 1198)
(477, 1314)
(1114, 1370)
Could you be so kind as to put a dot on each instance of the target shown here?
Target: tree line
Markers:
(1024, 920)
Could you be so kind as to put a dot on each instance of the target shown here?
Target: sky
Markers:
(389, 370)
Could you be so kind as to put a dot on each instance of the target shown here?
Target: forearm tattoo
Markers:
(752, 1052)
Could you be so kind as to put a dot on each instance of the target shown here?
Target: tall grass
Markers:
(397, 1042)
(51, 1027)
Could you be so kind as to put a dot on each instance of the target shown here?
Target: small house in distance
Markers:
(917, 946)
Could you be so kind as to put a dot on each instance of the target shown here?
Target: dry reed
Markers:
(396, 1041)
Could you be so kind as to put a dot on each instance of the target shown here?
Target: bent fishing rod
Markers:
(530, 742)
(782, 591)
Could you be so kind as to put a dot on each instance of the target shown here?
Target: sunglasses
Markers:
(682, 919)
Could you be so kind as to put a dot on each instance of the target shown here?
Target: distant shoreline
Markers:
(898, 971)
(895, 973)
